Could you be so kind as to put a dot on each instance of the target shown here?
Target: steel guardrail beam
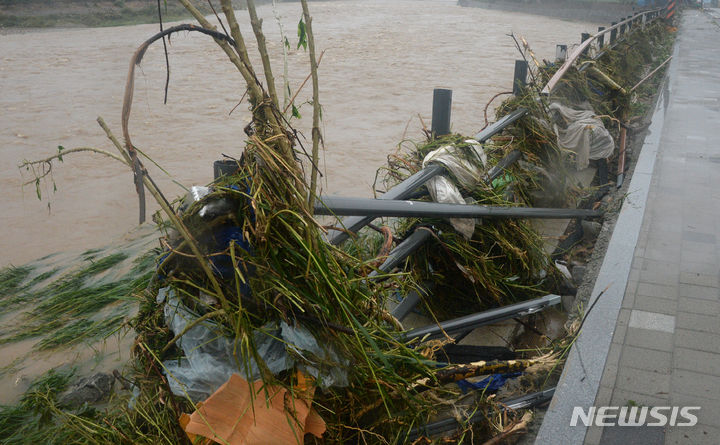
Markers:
(368, 207)
(405, 189)
(491, 316)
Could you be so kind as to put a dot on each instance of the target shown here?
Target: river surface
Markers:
(382, 60)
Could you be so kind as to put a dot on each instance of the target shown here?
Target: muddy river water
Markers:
(382, 60)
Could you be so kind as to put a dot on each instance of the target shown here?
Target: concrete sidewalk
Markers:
(657, 343)
(666, 350)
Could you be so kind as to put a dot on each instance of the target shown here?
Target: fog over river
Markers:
(383, 58)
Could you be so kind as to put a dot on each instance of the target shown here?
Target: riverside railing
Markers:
(616, 31)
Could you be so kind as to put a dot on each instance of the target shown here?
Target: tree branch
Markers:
(316, 137)
(262, 48)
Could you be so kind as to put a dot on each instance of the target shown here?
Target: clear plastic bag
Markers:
(209, 360)
(466, 165)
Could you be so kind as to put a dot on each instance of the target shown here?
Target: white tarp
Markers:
(464, 164)
(584, 134)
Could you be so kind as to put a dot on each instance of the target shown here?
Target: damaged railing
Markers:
(615, 30)
(395, 203)
(406, 188)
(452, 423)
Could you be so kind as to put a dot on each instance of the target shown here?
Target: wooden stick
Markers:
(316, 136)
(235, 57)
(177, 222)
(74, 150)
(650, 75)
(292, 100)
(256, 24)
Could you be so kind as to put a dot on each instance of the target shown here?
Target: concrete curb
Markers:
(580, 380)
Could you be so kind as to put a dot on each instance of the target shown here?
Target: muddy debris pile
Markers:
(261, 324)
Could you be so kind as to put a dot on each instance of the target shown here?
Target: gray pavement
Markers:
(653, 339)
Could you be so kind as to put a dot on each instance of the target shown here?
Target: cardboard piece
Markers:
(239, 413)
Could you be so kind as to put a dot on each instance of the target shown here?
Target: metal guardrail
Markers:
(582, 48)
(403, 250)
(469, 322)
(400, 191)
(406, 188)
(451, 423)
(368, 207)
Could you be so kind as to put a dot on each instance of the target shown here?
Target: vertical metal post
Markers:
(613, 33)
(442, 103)
(225, 167)
(583, 37)
(629, 25)
(601, 39)
(520, 76)
(560, 53)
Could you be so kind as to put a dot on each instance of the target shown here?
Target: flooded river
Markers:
(382, 60)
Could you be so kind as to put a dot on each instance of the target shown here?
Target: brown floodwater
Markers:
(382, 60)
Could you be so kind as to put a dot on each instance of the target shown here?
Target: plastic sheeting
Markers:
(584, 134)
(464, 164)
(209, 360)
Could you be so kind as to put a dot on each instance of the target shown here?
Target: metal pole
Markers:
(406, 188)
(500, 125)
(613, 33)
(601, 39)
(343, 206)
(583, 37)
(411, 300)
(492, 316)
(442, 103)
(520, 77)
(451, 423)
(224, 167)
(403, 250)
(501, 166)
(560, 53)
(400, 191)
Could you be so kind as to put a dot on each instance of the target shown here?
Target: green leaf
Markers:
(54, 187)
(296, 112)
(37, 188)
(302, 35)
(60, 149)
(287, 43)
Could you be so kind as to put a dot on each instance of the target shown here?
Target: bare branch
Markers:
(316, 137)
(262, 48)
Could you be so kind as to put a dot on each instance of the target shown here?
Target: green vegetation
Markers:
(59, 310)
(262, 259)
(32, 420)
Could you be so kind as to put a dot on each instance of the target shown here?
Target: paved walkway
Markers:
(666, 348)
(653, 338)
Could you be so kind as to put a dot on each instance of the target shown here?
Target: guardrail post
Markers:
(583, 37)
(224, 167)
(622, 29)
(613, 33)
(442, 104)
(520, 76)
(560, 53)
(601, 39)
(630, 23)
